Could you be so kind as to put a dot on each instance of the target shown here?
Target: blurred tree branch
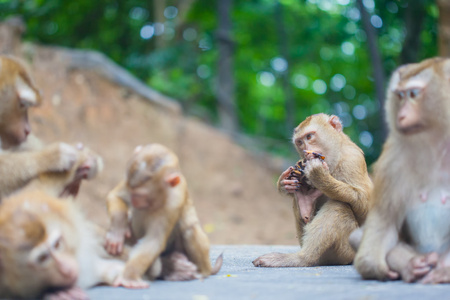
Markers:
(377, 64)
(414, 17)
(444, 27)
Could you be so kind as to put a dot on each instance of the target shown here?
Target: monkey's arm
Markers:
(18, 168)
(370, 260)
(159, 227)
(322, 180)
(118, 213)
(194, 239)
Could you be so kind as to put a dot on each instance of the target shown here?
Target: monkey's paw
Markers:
(315, 169)
(66, 156)
(130, 283)
(114, 241)
(419, 266)
(278, 260)
(182, 268)
(74, 293)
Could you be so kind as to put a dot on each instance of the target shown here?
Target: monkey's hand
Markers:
(287, 186)
(130, 283)
(115, 239)
(58, 157)
(316, 171)
(74, 293)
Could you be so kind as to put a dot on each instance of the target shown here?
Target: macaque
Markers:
(170, 241)
(334, 203)
(17, 166)
(47, 247)
(407, 231)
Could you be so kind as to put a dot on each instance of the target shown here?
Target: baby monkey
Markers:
(170, 241)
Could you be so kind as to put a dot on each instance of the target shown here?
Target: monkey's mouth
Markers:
(410, 130)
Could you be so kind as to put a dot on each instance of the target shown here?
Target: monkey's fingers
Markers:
(130, 284)
(286, 173)
(74, 293)
(392, 275)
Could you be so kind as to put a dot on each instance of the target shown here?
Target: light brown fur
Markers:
(339, 203)
(411, 176)
(46, 245)
(163, 220)
(18, 164)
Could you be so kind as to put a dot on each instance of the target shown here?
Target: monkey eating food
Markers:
(333, 199)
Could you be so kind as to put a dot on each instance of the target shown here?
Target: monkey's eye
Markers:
(43, 257)
(413, 93)
(401, 95)
(299, 142)
(309, 136)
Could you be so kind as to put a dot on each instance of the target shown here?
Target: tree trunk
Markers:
(444, 27)
(158, 16)
(225, 84)
(284, 51)
(377, 64)
(414, 17)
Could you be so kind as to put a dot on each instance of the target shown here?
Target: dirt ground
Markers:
(234, 191)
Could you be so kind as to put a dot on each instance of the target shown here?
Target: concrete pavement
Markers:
(238, 279)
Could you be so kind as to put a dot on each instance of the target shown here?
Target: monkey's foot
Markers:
(74, 293)
(130, 283)
(278, 260)
(438, 275)
(181, 269)
(419, 266)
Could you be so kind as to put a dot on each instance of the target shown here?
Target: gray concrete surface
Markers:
(238, 279)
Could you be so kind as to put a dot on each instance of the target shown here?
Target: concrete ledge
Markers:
(238, 279)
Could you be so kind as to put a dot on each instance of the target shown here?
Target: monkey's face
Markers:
(54, 261)
(16, 99)
(417, 97)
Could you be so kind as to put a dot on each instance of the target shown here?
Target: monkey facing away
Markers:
(47, 247)
(170, 241)
(326, 214)
(17, 167)
(407, 230)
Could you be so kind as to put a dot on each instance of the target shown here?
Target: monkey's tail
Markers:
(217, 265)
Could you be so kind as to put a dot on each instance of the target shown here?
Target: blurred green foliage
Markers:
(329, 65)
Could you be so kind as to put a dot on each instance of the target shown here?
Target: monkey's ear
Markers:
(27, 96)
(336, 123)
(173, 179)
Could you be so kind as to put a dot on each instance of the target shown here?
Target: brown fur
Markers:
(339, 204)
(163, 219)
(21, 156)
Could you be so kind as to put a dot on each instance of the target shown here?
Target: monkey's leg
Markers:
(411, 265)
(379, 237)
(194, 240)
(325, 240)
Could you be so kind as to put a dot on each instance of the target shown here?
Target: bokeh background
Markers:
(245, 72)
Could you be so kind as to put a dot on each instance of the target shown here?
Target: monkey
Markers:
(47, 247)
(18, 164)
(326, 214)
(170, 241)
(406, 233)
